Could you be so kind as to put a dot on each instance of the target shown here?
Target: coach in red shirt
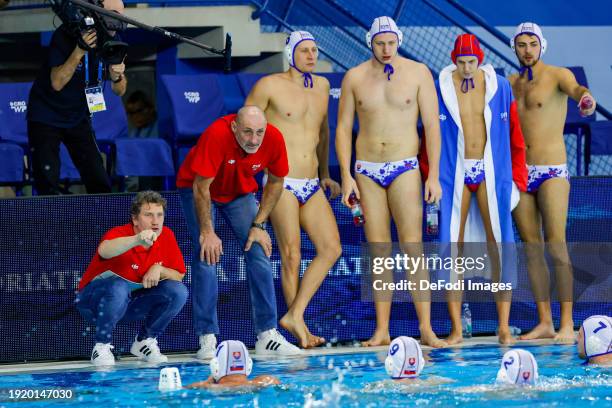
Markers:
(218, 176)
(135, 274)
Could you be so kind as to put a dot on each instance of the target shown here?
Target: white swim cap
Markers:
(533, 29)
(381, 25)
(405, 358)
(293, 40)
(232, 357)
(518, 366)
(597, 336)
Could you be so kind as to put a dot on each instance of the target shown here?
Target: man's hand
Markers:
(151, 278)
(433, 191)
(90, 38)
(211, 248)
(260, 236)
(116, 71)
(587, 101)
(146, 237)
(349, 186)
(333, 187)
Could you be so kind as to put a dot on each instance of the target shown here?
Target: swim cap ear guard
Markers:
(518, 367)
(404, 359)
(231, 357)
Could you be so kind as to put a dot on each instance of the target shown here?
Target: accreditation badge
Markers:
(95, 99)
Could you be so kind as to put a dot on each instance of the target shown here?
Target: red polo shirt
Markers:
(135, 263)
(219, 155)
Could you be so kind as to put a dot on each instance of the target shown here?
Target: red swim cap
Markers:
(467, 44)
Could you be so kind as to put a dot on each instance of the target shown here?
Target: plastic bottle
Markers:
(356, 212)
(466, 321)
(431, 217)
(585, 104)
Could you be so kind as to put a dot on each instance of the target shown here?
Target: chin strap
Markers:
(529, 72)
(389, 71)
(466, 83)
(308, 82)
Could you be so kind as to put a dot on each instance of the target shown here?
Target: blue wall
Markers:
(47, 242)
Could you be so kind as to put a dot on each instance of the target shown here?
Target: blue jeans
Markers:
(238, 214)
(107, 302)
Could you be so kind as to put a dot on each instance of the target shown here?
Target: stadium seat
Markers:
(196, 101)
(233, 97)
(68, 171)
(13, 109)
(111, 123)
(11, 165)
(601, 137)
(182, 154)
(247, 81)
(144, 157)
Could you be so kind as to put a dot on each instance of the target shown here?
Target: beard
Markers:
(529, 64)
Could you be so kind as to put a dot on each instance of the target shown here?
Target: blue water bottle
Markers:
(466, 321)
(431, 217)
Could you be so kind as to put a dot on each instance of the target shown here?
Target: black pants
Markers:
(81, 144)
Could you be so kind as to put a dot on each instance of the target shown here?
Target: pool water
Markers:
(458, 377)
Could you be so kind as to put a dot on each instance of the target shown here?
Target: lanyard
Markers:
(87, 70)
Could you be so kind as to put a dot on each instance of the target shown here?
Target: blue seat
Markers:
(68, 170)
(601, 137)
(196, 101)
(13, 109)
(182, 154)
(111, 123)
(233, 97)
(11, 165)
(576, 124)
(144, 157)
(246, 82)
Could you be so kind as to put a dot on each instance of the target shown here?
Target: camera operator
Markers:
(66, 92)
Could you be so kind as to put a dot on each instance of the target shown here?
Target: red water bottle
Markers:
(358, 218)
(586, 103)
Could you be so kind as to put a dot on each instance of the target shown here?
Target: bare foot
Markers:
(429, 338)
(566, 335)
(297, 328)
(454, 338)
(505, 338)
(379, 338)
(541, 331)
(314, 341)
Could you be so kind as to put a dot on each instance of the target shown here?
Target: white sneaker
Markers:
(208, 347)
(272, 343)
(102, 355)
(148, 350)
